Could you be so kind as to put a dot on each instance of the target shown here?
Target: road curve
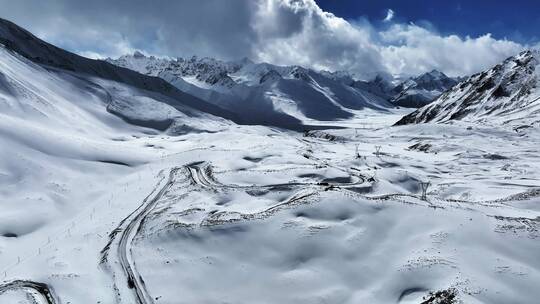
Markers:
(201, 174)
(45, 292)
(122, 237)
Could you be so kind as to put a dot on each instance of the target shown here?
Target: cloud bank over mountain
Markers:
(277, 31)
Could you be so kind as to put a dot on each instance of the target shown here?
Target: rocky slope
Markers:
(505, 93)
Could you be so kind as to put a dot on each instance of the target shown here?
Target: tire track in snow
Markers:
(122, 237)
(201, 174)
(44, 291)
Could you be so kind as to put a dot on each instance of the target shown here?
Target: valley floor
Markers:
(260, 215)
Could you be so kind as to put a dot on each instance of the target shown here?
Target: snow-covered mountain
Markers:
(117, 187)
(261, 92)
(413, 92)
(419, 91)
(380, 85)
(340, 76)
(508, 92)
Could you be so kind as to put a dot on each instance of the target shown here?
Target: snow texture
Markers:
(117, 187)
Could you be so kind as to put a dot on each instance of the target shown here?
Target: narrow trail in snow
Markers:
(42, 290)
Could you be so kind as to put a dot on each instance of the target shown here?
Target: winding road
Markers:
(199, 173)
(44, 292)
(122, 237)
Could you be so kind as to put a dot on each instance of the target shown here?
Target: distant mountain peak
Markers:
(432, 75)
(423, 89)
(138, 54)
(344, 77)
(435, 74)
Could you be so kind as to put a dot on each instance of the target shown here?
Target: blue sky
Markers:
(517, 20)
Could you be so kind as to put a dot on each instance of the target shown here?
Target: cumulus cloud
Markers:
(321, 41)
(413, 49)
(276, 31)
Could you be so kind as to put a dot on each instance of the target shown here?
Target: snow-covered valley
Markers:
(122, 190)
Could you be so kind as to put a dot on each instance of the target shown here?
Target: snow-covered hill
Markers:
(67, 138)
(261, 92)
(506, 93)
(62, 131)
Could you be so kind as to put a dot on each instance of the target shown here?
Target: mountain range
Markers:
(260, 92)
(289, 94)
(293, 97)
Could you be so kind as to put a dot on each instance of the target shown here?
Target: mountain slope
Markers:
(65, 144)
(31, 47)
(379, 86)
(505, 93)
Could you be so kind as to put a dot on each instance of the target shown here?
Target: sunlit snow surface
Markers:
(256, 214)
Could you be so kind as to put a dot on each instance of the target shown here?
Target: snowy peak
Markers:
(207, 70)
(213, 73)
(379, 86)
(431, 81)
(433, 75)
(138, 54)
(414, 92)
(262, 92)
(505, 92)
(429, 77)
(201, 70)
(340, 76)
(421, 90)
(434, 80)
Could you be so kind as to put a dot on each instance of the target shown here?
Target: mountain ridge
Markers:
(261, 89)
(506, 92)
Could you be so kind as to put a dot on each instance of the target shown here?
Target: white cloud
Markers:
(411, 49)
(328, 42)
(277, 31)
(389, 15)
(322, 41)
